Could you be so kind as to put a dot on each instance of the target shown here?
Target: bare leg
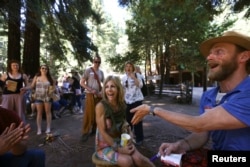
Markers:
(125, 161)
(33, 108)
(39, 108)
(47, 106)
(140, 160)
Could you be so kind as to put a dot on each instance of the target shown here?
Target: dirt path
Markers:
(66, 150)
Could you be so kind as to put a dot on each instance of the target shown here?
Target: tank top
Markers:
(42, 91)
(19, 82)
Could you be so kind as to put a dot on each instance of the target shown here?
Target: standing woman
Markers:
(44, 87)
(132, 84)
(110, 118)
(13, 96)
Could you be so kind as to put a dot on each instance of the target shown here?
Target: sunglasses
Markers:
(126, 83)
(97, 62)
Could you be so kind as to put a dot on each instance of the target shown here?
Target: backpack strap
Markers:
(97, 78)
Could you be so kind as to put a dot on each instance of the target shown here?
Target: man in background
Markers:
(91, 82)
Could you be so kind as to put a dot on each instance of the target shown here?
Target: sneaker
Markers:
(32, 115)
(85, 137)
(58, 115)
(47, 131)
(39, 132)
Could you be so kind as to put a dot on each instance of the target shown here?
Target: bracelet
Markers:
(189, 146)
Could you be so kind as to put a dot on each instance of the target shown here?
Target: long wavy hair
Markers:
(9, 66)
(120, 92)
(47, 74)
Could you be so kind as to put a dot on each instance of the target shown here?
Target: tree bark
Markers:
(31, 51)
(14, 34)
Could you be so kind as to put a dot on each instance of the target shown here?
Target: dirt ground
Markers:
(66, 150)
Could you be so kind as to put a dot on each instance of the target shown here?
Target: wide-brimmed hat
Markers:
(228, 37)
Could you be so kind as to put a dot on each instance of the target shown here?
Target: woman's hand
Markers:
(23, 90)
(128, 149)
(26, 130)
(132, 75)
(12, 135)
(93, 91)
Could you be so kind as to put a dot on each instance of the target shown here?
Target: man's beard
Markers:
(225, 70)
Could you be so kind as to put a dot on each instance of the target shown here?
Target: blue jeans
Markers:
(76, 99)
(31, 158)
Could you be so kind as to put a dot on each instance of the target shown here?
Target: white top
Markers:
(132, 92)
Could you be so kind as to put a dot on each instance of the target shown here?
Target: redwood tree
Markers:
(31, 50)
(14, 34)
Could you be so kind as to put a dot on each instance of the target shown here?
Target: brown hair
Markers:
(47, 74)
(9, 66)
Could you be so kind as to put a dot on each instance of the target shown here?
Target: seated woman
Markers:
(59, 105)
(110, 116)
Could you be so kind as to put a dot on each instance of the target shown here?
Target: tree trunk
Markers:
(14, 34)
(31, 51)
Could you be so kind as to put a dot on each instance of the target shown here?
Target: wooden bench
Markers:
(182, 92)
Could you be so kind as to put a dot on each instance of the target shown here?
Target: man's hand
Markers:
(139, 113)
(168, 148)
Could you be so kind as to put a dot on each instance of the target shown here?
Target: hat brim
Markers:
(208, 44)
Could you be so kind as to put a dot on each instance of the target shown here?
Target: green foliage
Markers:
(119, 61)
(156, 25)
(177, 27)
(67, 19)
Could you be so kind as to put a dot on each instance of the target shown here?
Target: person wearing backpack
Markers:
(132, 84)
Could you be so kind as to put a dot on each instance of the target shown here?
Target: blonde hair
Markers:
(132, 64)
(120, 94)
